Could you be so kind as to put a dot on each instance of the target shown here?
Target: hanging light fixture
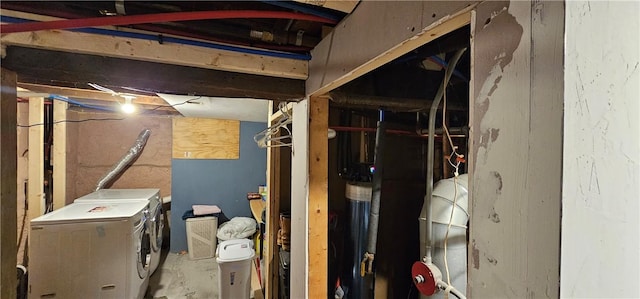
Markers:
(128, 106)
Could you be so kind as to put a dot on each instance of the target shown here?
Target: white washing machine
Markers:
(156, 217)
(90, 250)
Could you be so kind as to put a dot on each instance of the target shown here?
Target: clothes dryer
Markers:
(156, 215)
(90, 250)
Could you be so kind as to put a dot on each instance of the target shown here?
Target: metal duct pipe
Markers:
(388, 103)
(464, 131)
(159, 18)
(377, 101)
(131, 155)
(426, 228)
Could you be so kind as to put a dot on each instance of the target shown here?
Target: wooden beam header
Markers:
(153, 51)
(393, 29)
(58, 68)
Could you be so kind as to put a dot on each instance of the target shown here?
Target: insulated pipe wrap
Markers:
(377, 188)
(129, 157)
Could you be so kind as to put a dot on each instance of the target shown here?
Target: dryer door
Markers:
(143, 248)
(157, 225)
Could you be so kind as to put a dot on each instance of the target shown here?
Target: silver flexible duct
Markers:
(131, 155)
(426, 229)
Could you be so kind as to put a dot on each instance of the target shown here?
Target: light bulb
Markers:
(128, 107)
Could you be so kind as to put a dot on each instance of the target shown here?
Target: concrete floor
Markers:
(178, 277)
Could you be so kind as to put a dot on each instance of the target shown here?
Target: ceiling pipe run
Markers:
(388, 103)
(158, 18)
(169, 39)
(438, 132)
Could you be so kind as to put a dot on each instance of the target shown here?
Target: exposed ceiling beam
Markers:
(76, 70)
(159, 18)
(90, 94)
(393, 30)
(155, 51)
(151, 102)
(345, 6)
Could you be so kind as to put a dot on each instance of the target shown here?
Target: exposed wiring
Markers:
(446, 235)
(71, 121)
(459, 159)
(449, 289)
(189, 101)
(65, 99)
(74, 102)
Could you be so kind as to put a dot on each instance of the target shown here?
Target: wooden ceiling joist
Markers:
(77, 70)
(90, 94)
(155, 51)
(346, 6)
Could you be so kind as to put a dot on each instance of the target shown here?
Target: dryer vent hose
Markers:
(128, 158)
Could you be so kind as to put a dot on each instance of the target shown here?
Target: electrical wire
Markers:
(74, 102)
(455, 180)
(446, 235)
(189, 101)
(64, 99)
(71, 121)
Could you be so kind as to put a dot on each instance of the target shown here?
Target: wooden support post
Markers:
(273, 213)
(8, 185)
(59, 154)
(318, 198)
(36, 158)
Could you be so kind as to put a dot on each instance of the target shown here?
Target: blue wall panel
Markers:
(224, 183)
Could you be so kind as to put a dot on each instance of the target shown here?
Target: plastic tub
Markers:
(234, 268)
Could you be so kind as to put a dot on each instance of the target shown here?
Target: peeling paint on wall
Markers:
(516, 153)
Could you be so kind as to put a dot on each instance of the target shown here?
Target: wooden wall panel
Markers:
(516, 150)
(8, 192)
(201, 138)
(95, 146)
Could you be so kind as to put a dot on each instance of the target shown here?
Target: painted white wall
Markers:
(601, 168)
(299, 271)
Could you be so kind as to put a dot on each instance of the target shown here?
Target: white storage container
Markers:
(201, 237)
(234, 268)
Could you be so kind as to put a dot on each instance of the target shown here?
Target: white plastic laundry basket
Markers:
(201, 237)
